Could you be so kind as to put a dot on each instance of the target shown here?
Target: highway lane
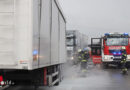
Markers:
(96, 78)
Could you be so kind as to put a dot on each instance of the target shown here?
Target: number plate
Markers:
(117, 57)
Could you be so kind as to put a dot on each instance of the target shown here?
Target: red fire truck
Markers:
(107, 50)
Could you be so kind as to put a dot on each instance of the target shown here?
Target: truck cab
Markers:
(112, 44)
(109, 48)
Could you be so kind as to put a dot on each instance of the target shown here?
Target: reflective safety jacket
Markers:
(124, 57)
(83, 60)
(83, 56)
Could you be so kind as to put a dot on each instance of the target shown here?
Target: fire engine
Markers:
(107, 50)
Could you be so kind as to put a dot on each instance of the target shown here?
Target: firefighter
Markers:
(83, 60)
(80, 54)
(86, 53)
(123, 61)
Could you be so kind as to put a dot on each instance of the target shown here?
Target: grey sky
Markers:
(95, 17)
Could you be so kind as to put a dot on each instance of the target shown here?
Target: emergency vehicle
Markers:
(107, 50)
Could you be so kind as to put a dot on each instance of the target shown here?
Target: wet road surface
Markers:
(96, 78)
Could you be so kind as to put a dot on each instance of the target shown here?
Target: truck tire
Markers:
(128, 65)
(36, 87)
(119, 66)
(105, 65)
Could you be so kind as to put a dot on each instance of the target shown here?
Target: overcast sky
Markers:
(96, 17)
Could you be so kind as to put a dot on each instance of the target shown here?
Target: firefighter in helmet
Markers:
(86, 53)
(80, 54)
(123, 61)
(83, 60)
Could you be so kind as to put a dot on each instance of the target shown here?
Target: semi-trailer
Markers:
(32, 42)
(75, 41)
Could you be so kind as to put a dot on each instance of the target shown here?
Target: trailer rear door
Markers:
(96, 52)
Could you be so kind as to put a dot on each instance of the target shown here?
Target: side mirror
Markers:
(105, 39)
(102, 47)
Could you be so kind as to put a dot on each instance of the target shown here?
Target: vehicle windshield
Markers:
(117, 41)
(70, 41)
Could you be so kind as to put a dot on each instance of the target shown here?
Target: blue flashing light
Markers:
(126, 34)
(35, 52)
(114, 53)
(106, 34)
(119, 53)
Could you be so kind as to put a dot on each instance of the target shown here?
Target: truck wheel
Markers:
(105, 65)
(59, 75)
(36, 87)
(119, 66)
(57, 84)
(128, 65)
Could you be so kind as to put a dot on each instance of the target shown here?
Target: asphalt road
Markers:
(96, 78)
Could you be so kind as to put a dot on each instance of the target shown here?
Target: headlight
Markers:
(128, 56)
(72, 58)
(106, 57)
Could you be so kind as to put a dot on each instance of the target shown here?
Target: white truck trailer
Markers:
(32, 41)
